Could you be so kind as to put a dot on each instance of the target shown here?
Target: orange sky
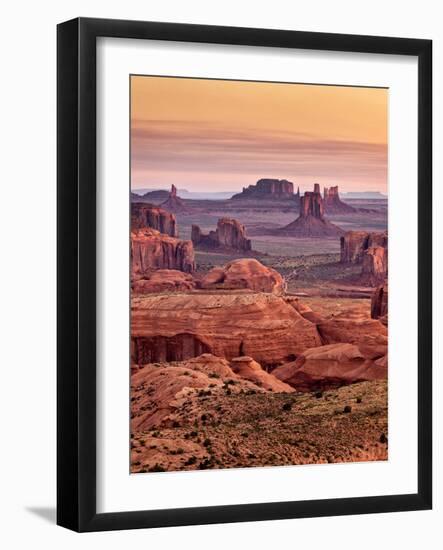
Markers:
(218, 135)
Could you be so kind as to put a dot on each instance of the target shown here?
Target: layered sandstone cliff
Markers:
(151, 249)
(148, 215)
(230, 234)
(370, 249)
(180, 326)
(354, 244)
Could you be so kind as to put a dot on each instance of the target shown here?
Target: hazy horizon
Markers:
(220, 136)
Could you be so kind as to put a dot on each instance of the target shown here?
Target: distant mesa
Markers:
(151, 249)
(148, 215)
(311, 222)
(269, 189)
(370, 249)
(157, 195)
(174, 203)
(230, 234)
(333, 203)
(246, 273)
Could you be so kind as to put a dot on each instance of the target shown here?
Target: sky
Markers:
(221, 135)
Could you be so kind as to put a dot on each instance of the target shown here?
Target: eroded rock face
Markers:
(246, 368)
(174, 203)
(369, 335)
(244, 274)
(163, 280)
(147, 215)
(329, 366)
(268, 189)
(379, 303)
(311, 222)
(354, 244)
(151, 249)
(375, 265)
(181, 326)
(230, 234)
(333, 203)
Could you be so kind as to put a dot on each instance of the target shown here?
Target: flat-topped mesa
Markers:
(147, 215)
(174, 203)
(153, 250)
(311, 222)
(333, 203)
(354, 244)
(230, 234)
(268, 189)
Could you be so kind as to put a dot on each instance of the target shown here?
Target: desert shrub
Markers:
(287, 406)
(347, 409)
(156, 468)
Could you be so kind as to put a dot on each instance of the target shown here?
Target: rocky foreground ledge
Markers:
(209, 413)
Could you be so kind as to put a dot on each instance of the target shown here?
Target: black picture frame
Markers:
(76, 281)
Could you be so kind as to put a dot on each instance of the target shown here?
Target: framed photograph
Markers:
(235, 342)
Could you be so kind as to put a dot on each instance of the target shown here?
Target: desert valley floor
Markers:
(258, 331)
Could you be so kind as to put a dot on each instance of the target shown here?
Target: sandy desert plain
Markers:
(258, 329)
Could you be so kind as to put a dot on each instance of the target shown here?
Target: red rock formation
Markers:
(174, 203)
(244, 274)
(230, 234)
(333, 203)
(268, 189)
(311, 222)
(247, 368)
(160, 390)
(369, 335)
(375, 265)
(151, 249)
(354, 244)
(163, 280)
(379, 303)
(148, 215)
(180, 326)
(329, 366)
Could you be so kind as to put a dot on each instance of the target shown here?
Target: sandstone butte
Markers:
(147, 215)
(163, 280)
(354, 244)
(379, 303)
(333, 203)
(269, 189)
(244, 274)
(151, 249)
(181, 326)
(230, 234)
(370, 249)
(174, 203)
(160, 390)
(328, 366)
(311, 221)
